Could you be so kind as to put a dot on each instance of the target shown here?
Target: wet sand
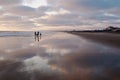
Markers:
(111, 39)
(57, 56)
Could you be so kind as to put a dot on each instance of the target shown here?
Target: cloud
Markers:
(21, 16)
(44, 8)
(104, 16)
(2, 12)
(90, 12)
(61, 13)
(86, 4)
(114, 11)
(22, 10)
(10, 2)
(15, 21)
(10, 18)
(60, 20)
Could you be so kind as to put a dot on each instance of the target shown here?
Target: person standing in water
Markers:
(37, 34)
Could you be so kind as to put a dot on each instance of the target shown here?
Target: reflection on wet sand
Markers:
(38, 36)
(69, 67)
(58, 57)
(110, 39)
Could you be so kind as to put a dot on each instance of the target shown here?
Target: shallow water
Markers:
(56, 56)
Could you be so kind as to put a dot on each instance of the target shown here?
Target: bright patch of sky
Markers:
(35, 3)
(61, 11)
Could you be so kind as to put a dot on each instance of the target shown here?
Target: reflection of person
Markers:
(40, 35)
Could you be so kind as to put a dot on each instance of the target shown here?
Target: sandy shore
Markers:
(111, 39)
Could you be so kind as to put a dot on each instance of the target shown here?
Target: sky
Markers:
(58, 14)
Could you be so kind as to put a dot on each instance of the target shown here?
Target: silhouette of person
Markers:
(35, 33)
(38, 36)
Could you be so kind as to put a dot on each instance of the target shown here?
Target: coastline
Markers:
(111, 39)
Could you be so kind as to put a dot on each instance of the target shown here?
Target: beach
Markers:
(111, 39)
(57, 56)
